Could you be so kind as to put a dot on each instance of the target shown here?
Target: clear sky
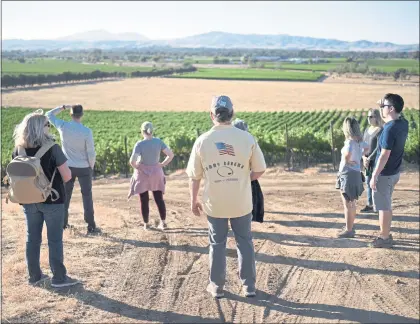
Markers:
(392, 21)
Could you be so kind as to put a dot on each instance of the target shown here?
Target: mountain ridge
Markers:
(216, 39)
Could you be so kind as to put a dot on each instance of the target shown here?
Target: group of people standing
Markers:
(380, 152)
(227, 157)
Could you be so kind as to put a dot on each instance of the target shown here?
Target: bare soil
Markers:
(304, 274)
(164, 94)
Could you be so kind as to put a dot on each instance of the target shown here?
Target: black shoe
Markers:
(367, 209)
(68, 226)
(346, 234)
(93, 230)
(66, 282)
(37, 281)
(379, 242)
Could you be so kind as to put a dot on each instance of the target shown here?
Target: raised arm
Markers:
(51, 115)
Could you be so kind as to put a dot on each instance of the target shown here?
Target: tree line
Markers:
(156, 53)
(22, 80)
(364, 68)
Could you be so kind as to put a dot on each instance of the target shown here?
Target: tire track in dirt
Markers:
(191, 280)
(294, 276)
(242, 312)
(386, 298)
(285, 287)
(286, 271)
(173, 278)
(356, 297)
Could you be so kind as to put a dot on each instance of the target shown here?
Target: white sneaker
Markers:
(146, 226)
(162, 226)
(215, 293)
(249, 293)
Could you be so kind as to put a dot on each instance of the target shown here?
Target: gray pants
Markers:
(84, 175)
(218, 232)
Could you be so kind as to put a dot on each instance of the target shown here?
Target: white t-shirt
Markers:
(356, 149)
(223, 157)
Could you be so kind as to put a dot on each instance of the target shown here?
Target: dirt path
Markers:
(304, 274)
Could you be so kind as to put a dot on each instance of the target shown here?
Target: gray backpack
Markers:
(28, 183)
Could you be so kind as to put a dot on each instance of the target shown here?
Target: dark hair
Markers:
(223, 115)
(395, 100)
(77, 111)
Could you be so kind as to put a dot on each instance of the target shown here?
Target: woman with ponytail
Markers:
(148, 173)
(349, 179)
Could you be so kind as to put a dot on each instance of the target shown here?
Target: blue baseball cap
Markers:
(221, 102)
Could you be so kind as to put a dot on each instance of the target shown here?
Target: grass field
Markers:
(249, 74)
(208, 60)
(393, 65)
(50, 66)
(383, 65)
(305, 67)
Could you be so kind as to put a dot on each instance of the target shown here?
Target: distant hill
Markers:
(228, 40)
(106, 40)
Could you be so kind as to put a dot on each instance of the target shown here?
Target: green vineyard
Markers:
(308, 134)
(249, 74)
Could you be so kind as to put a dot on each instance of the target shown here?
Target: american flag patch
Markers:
(225, 149)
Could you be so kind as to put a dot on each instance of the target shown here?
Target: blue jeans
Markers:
(369, 191)
(53, 215)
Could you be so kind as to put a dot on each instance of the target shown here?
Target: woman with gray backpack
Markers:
(36, 185)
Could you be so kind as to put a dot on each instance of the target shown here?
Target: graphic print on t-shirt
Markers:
(224, 149)
(224, 171)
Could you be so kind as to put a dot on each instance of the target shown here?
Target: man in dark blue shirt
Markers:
(388, 163)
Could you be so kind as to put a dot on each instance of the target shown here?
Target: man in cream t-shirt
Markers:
(228, 159)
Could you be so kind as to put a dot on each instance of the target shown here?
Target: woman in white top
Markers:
(349, 179)
(371, 136)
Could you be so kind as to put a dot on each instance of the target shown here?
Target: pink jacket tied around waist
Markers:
(147, 178)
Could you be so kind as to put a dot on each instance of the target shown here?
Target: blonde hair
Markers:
(30, 132)
(351, 129)
(378, 118)
(147, 128)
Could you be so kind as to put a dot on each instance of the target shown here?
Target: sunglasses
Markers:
(47, 124)
(370, 117)
(383, 106)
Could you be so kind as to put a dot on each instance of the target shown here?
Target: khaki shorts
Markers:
(382, 197)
